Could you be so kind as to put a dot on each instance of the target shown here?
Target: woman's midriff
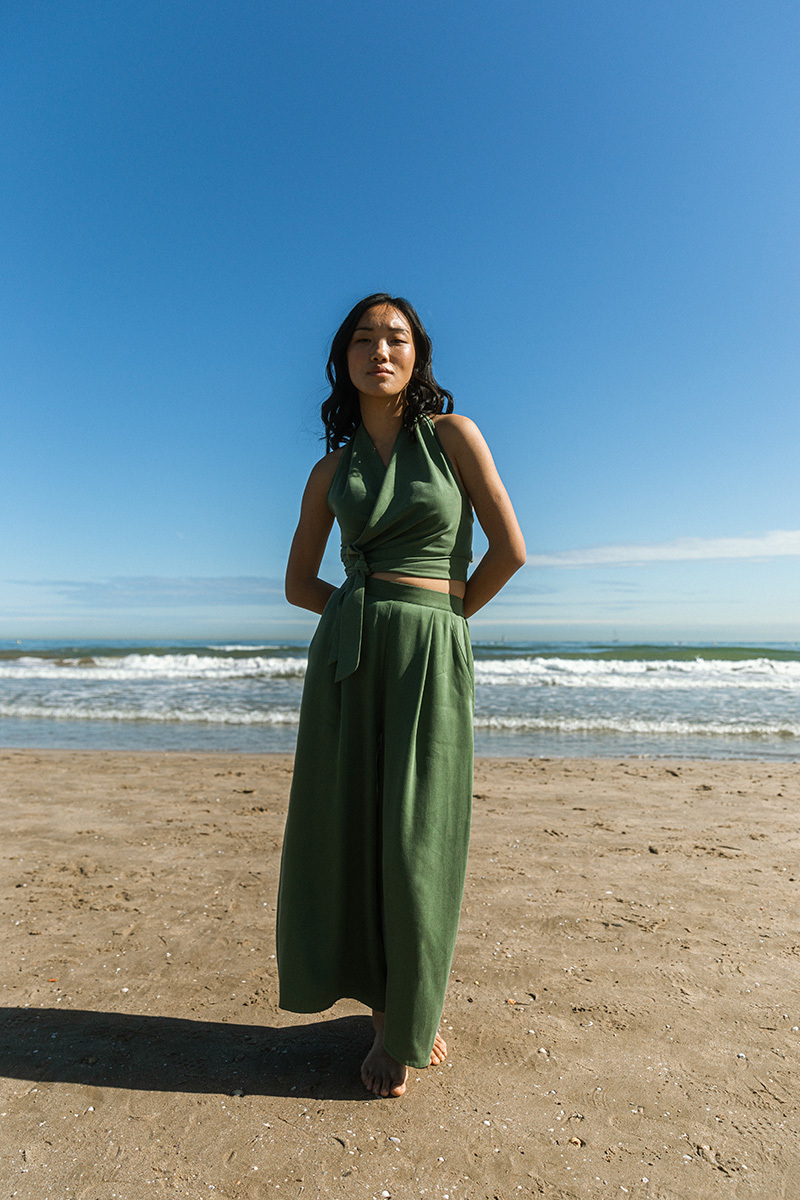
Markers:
(450, 587)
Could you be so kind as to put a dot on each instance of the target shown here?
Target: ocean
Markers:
(532, 699)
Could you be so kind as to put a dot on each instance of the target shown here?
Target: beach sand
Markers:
(622, 1017)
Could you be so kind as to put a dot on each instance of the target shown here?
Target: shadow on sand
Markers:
(170, 1054)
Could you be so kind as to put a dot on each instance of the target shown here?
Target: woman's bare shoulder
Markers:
(325, 469)
(455, 430)
(320, 480)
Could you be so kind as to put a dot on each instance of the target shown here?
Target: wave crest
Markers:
(135, 667)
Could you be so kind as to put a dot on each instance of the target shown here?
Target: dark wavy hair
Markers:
(341, 414)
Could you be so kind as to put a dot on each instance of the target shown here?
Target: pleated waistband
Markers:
(407, 593)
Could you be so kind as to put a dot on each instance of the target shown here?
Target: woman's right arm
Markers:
(303, 584)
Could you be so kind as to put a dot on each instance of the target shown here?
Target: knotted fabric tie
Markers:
(346, 648)
(354, 561)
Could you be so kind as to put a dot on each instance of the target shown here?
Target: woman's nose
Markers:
(380, 352)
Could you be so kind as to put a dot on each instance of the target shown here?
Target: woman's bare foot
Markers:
(382, 1074)
(439, 1051)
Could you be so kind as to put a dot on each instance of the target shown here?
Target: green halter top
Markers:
(411, 517)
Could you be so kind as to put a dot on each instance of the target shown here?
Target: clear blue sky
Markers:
(593, 206)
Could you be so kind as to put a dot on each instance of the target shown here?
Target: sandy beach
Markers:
(623, 1015)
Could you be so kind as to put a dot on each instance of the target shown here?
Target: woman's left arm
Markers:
(467, 450)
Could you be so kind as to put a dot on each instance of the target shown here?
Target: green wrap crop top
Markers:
(411, 517)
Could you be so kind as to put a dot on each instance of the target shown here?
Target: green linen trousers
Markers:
(375, 847)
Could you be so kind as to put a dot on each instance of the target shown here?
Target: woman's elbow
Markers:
(517, 554)
(293, 589)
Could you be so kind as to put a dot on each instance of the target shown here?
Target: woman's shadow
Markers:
(170, 1054)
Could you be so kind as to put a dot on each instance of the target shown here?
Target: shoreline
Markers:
(623, 1004)
(549, 750)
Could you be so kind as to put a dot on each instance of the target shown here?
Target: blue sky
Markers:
(593, 207)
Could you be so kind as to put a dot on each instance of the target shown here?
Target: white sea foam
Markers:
(88, 712)
(138, 667)
(70, 711)
(647, 674)
(629, 725)
(249, 648)
(616, 674)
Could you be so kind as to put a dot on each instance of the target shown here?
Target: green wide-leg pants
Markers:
(375, 848)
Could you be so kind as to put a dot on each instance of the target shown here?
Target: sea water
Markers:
(531, 699)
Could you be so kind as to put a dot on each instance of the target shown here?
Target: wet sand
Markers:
(623, 1016)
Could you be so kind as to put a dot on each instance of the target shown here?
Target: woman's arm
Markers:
(303, 584)
(467, 450)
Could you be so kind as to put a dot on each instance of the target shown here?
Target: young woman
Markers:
(375, 847)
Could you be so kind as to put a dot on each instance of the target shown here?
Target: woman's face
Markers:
(381, 353)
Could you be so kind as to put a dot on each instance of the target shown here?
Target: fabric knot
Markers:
(354, 561)
(346, 639)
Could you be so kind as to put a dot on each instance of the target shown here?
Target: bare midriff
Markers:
(450, 587)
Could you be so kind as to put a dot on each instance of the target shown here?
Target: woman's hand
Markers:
(303, 584)
(467, 450)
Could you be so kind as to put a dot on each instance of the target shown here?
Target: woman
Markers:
(375, 848)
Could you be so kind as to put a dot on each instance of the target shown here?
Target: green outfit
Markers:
(375, 847)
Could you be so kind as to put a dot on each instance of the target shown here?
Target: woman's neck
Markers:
(382, 423)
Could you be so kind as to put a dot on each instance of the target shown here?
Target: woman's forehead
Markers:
(383, 316)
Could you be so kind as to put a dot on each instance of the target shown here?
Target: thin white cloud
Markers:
(154, 591)
(780, 543)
